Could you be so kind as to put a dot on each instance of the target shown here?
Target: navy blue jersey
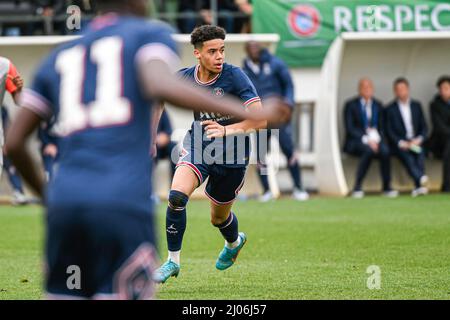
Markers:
(92, 88)
(232, 151)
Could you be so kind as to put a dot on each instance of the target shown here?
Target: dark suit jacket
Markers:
(440, 117)
(354, 122)
(395, 128)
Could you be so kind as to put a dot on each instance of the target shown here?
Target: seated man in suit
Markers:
(364, 137)
(407, 130)
(440, 139)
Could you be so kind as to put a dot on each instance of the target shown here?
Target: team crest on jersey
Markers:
(218, 92)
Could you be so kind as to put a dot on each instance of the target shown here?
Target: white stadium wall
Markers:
(421, 57)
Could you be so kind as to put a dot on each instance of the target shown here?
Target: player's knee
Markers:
(217, 221)
(177, 200)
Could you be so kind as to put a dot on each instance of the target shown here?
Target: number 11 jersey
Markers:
(92, 86)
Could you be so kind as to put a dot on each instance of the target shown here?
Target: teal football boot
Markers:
(167, 270)
(228, 256)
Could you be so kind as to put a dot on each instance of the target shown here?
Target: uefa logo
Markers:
(304, 21)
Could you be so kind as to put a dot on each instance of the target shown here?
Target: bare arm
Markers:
(18, 82)
(215, 130)
(19, 131)
(162, 85)
(247, 125)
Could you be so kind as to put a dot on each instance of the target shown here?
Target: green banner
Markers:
(307, 28)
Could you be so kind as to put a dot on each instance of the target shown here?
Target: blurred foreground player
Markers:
(99, 211)
(215, 148)
(15, 181)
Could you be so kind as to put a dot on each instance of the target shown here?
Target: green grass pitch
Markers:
(319, 249)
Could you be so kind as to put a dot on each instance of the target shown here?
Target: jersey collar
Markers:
(204, 83)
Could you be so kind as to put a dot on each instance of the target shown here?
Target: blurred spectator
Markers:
(440, 139)
(51, 12)
(270, 76)
(198, 12)
(407, 131)
(19, 9)
(164, 144)
(365, 137)
(243, 25)
(190, 10)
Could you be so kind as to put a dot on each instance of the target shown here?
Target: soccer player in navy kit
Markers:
(100, 88)
(220, 133)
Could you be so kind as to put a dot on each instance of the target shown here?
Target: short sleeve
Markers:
(37, 98)
(12, 73)
(157, 44)
(244, 88)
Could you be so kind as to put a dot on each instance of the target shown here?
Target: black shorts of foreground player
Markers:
(226, 166)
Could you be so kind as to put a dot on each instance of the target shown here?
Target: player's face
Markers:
(212, 55)
(444, 91)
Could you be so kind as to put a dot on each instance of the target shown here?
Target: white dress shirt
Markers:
(368, 106)
(405, 110)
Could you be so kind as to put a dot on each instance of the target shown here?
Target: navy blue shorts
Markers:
(99, 253)
(224, 183)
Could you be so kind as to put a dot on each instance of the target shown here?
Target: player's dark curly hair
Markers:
(206, 33)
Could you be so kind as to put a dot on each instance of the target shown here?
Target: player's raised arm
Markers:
(161, 84)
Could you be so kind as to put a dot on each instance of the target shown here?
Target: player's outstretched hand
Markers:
(275, 111)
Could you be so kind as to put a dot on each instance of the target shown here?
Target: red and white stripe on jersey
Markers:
(158, 51)
(35, 102)
(252, 100)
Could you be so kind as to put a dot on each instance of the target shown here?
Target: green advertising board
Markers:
(307, 28)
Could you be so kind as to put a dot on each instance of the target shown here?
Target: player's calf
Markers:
(234, 241)
(175, 227)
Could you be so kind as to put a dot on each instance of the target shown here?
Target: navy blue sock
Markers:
(295, 174)
(176, 219)
(229, 229)
(263, 177)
